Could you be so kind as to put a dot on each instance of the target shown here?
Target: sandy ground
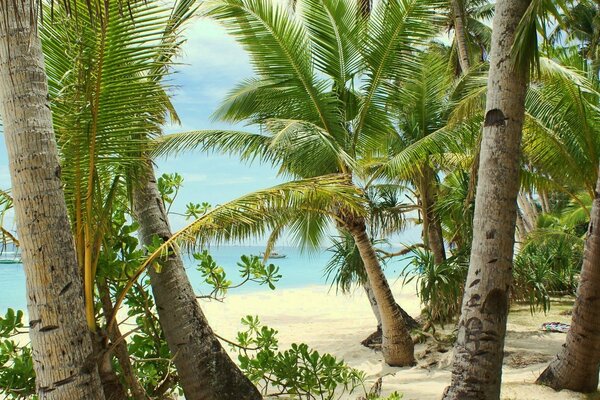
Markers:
(336, 324)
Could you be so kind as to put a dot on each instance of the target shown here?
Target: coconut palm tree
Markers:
(471, 34)
(477, 361)
(577, 365)
(319, 93)
(103, 148)
(62, 347)
(345, 269)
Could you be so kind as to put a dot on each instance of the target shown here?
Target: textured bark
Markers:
(576, 367)
(397, 346)
(62, 346)
(545, 201)
(205, 370)
(529, 212)
(432, 228)
(375, 337)
(373, 302)
(478, 352)
(460, 34)
(521, 232)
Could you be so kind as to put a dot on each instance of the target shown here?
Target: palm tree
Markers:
(477, 361)
(62, 347)
(104, 151)
(577, 365)
(345, 269)
(308, 68)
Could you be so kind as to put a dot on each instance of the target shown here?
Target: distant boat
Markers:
(10, 261)
(274, 255)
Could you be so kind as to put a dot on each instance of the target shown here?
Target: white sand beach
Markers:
(337, 323)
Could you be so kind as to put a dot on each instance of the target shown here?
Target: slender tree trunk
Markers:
(375, 337)
(433, 234)
(530, 214)
(62, 346)
(373, 302)
(120, 350)
(397, 345)
(205, 370)
(460, 34)
(577, 365)
(478, 353)
(545, 201)
(521, 232)
(111, 385)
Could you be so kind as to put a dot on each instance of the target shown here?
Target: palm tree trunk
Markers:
(545, 201)
(61, 342)
(205, 370)
(397, 345)
(530, 214)
(373, 302)
(375, 337)
(576, 367)
(521, 232)
(478, 352)
(432, 228)
(460, 34)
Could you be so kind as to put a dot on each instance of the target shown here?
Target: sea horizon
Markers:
(298, 269)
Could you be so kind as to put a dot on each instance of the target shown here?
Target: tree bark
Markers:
(62, 346)
(460, 35)
(576, 367)
(530, 214)
(397, 345)
(373, 302)
(478, 352)
(432, 228)
(205, 370)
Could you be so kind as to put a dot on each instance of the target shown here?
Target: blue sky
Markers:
(210, 65)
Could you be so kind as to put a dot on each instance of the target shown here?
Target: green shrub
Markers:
(300, 371)
(439, 287)
(17, 378)
(548, 264)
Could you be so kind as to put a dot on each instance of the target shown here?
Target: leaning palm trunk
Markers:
(396, 344)
(375, 337)
(432, 228)
(205, 370)
(460, 34)
(62, 347)
(478, 353)
(373, 302)
(576, 366)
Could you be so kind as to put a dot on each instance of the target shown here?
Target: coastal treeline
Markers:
(476, 121)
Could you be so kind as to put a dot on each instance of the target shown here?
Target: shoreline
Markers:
(336, 323)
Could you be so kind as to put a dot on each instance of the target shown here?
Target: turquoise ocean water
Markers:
(298, 269)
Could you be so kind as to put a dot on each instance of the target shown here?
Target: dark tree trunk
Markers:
(576, 367)
(205, 370)
(120, 346)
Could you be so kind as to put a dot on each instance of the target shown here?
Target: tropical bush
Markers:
(548, 264)
(439, 286)
(299, 371)
(17, 378)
